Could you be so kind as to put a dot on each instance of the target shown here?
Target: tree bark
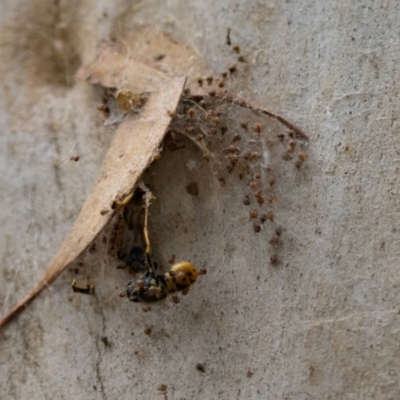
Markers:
(306, 308)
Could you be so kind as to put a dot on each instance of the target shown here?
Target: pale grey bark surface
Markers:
(322, 324)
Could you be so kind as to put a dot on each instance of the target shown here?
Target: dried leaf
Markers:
(135, 145)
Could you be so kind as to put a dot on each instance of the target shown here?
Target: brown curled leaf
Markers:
(134, 147)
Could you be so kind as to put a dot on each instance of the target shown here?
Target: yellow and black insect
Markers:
(152, 287)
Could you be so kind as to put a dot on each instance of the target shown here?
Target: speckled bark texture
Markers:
(319, 321)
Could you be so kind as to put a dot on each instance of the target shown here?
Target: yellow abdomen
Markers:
(181, 276)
